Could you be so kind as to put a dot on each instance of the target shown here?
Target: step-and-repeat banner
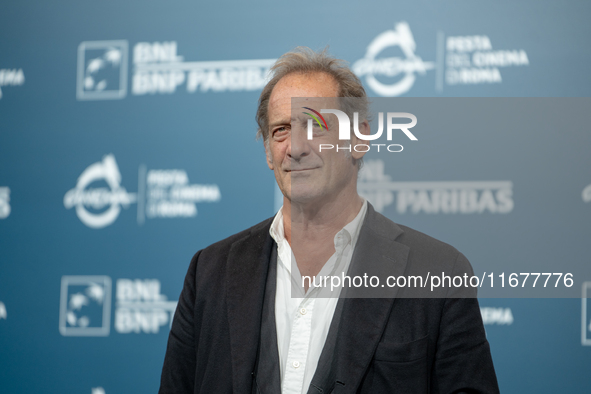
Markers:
(127, 143)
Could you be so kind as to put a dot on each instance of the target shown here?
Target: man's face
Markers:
(303, 172)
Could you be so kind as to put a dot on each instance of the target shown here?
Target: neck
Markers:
(320, 219)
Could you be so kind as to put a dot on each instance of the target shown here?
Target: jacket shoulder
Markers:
(416, 239)
(384, 227)
(433, 254)
(221, 248)
(424, 252)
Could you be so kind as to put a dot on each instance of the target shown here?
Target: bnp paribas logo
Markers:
(433, 197)
(85, 306)
(102, 70)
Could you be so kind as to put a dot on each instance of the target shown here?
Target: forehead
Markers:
(300, 85)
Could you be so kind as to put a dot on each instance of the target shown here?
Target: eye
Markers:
(315, 124)
(280, 132)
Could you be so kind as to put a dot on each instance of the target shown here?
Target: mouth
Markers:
(300, 170)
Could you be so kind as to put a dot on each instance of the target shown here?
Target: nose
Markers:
(298, 144)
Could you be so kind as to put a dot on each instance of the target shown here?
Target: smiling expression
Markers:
(304, 173)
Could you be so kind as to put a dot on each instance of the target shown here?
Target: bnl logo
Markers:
(102, 70)
(85, 306)
(586, 312)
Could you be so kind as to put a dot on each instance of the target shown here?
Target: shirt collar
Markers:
(350, 231)
(277, 230)
(353, 228)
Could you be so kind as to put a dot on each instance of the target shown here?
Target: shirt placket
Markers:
(297, 355)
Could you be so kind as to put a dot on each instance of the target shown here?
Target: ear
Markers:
(268, 154)
(363, 129)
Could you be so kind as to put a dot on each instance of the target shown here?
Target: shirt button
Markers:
(296, 364)
(303, 311)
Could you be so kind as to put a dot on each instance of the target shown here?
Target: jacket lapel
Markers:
(363, 317)
(247, 266)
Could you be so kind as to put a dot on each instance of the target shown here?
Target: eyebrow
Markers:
(281, 122)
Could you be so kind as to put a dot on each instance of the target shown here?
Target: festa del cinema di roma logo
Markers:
(401, 71)
(345, 129)
(162, 193)
(89, 202)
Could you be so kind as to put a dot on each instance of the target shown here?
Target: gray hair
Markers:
(304, 60)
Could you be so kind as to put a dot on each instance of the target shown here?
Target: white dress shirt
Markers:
(303, 321)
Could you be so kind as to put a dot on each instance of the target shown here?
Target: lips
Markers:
(301, 169)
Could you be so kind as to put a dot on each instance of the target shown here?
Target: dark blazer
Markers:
(382, 345)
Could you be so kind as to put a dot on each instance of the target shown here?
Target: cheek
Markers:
(277, 153)
(341, 162)
(268, 152)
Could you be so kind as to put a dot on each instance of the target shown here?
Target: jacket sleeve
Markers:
(463, 363)
(178, 372)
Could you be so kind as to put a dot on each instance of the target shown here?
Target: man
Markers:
(246, 322)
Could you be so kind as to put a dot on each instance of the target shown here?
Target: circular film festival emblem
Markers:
(586, 194)
(114, 197)
(371, 66)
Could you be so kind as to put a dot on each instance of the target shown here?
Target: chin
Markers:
(302, 194)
